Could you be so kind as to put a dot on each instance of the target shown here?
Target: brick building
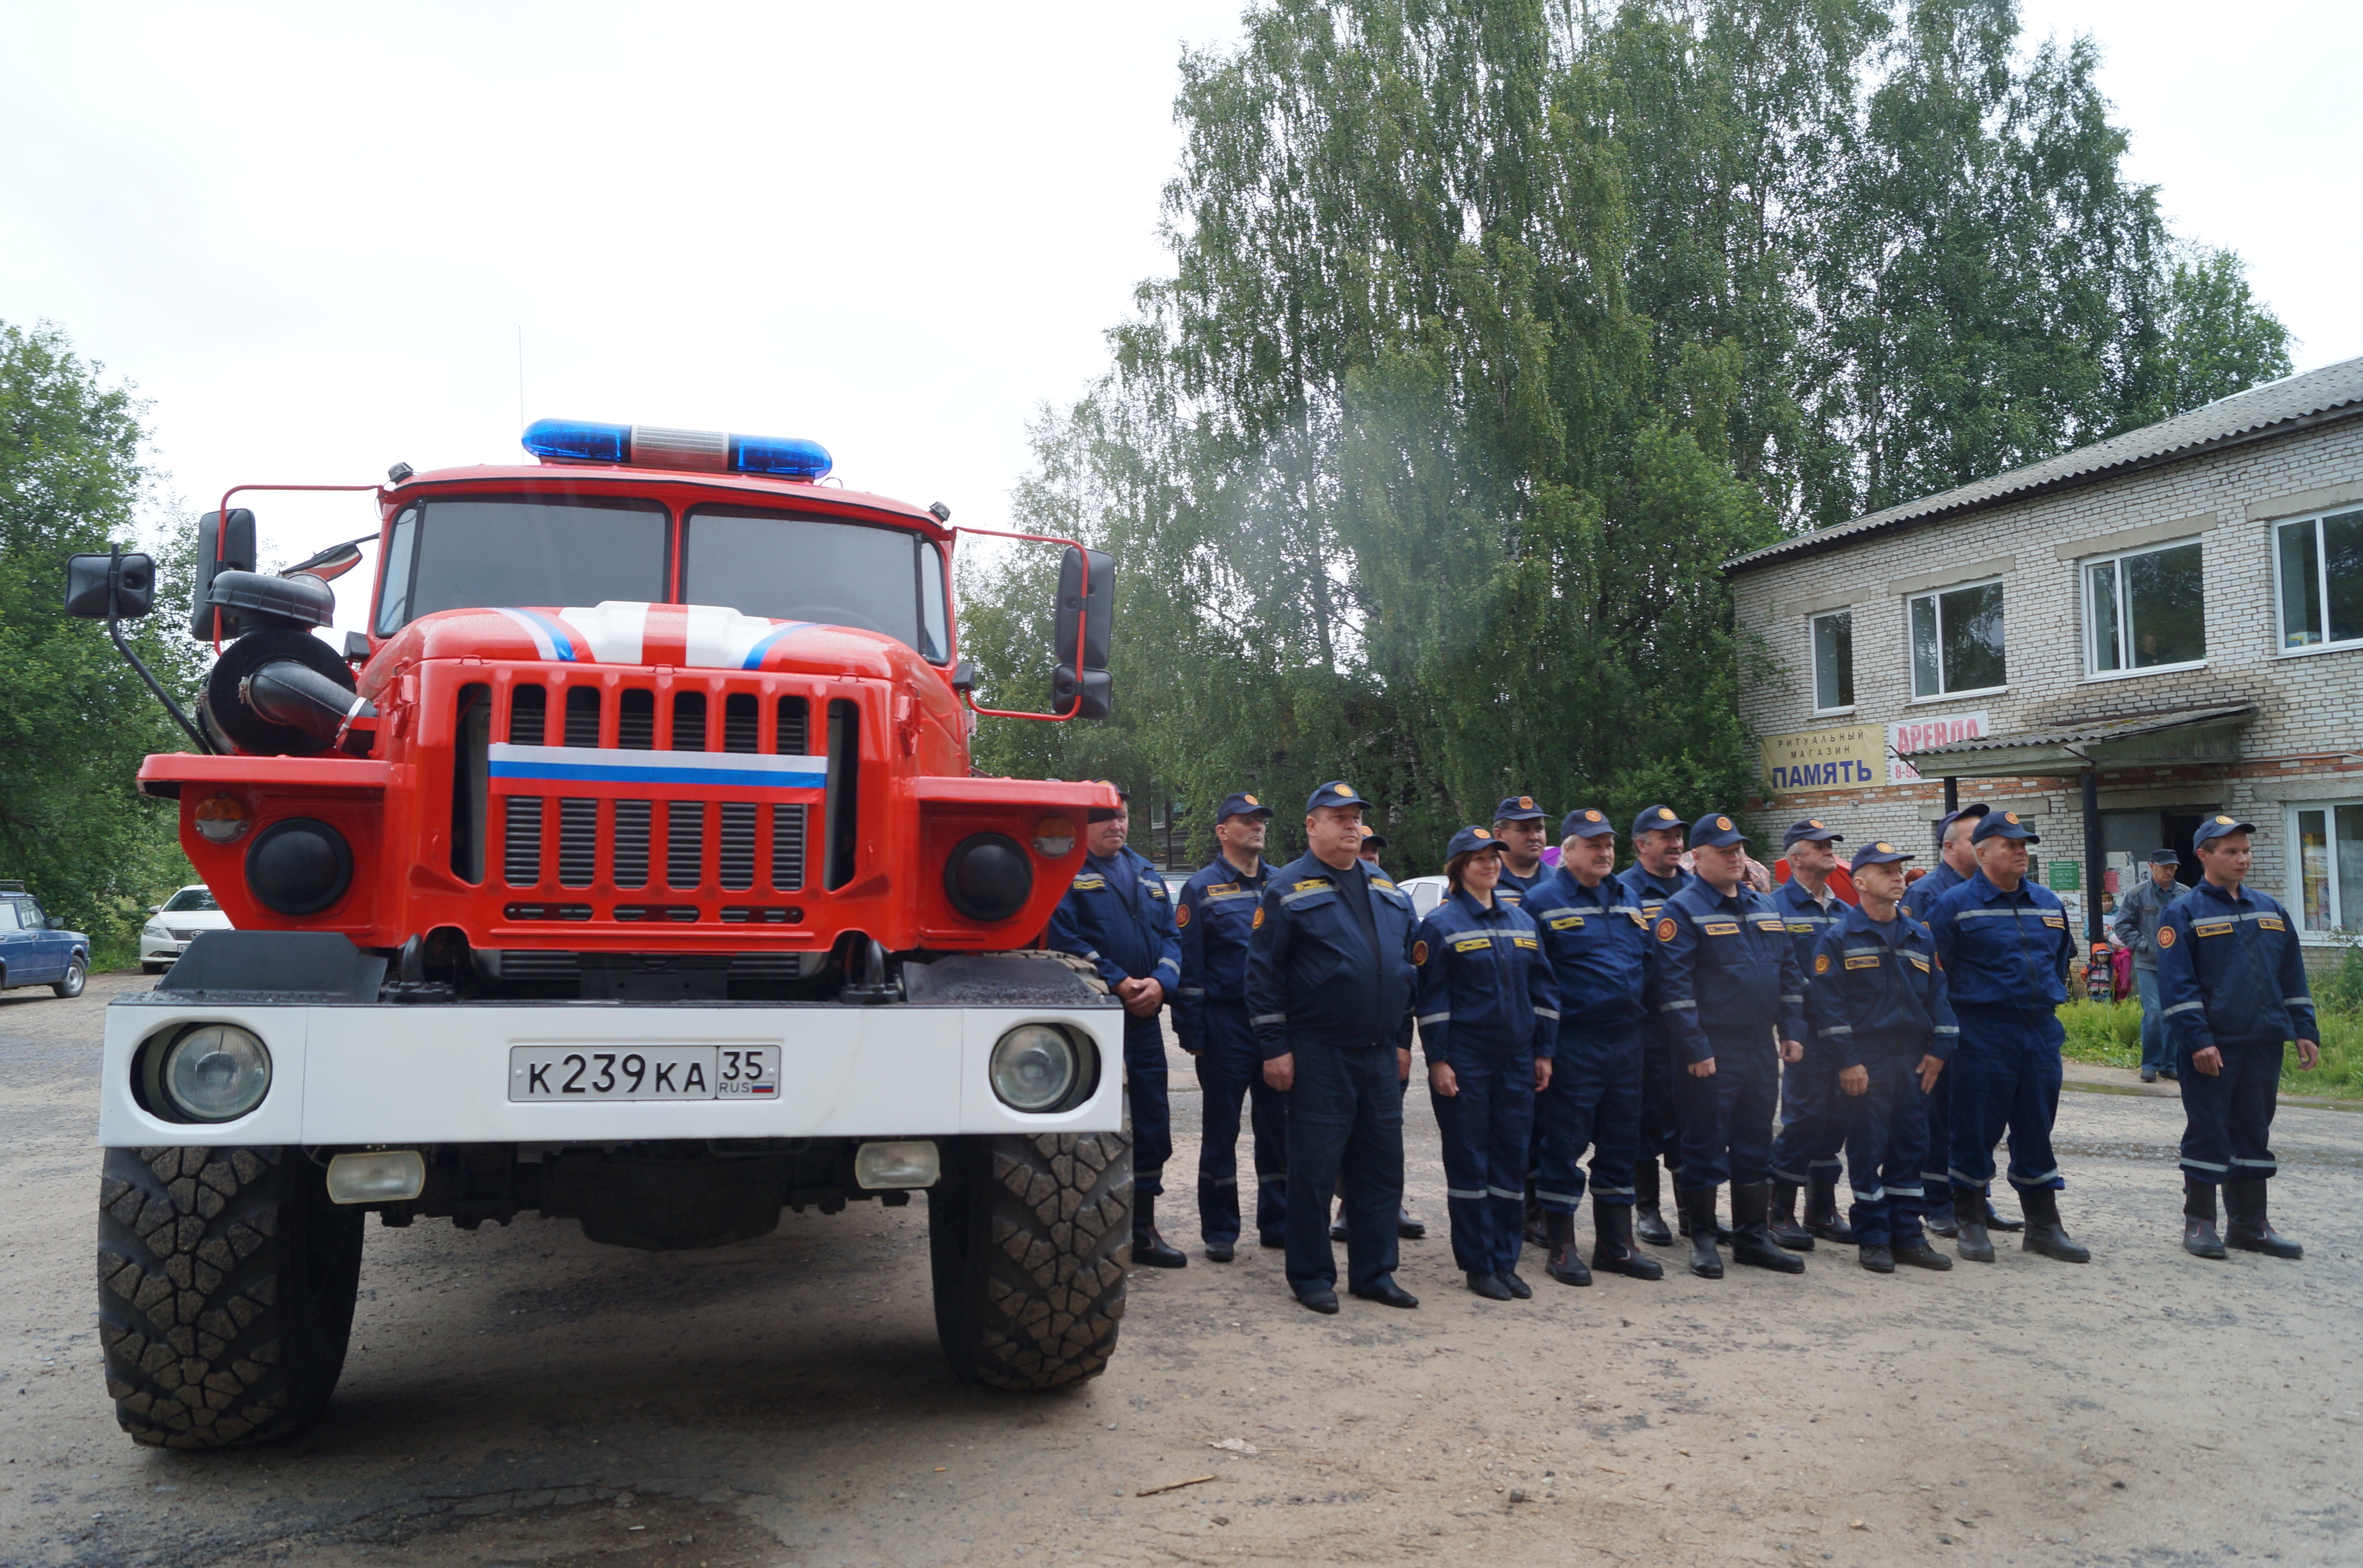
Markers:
(2112, 643)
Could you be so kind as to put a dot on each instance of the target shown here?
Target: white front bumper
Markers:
(380, 1073)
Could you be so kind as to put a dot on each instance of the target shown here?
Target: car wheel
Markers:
(147, 968)
(77, 976)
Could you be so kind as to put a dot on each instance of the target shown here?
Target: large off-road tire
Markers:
(1029, 1239)
(226, 1285)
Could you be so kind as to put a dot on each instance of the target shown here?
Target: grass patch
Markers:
(2109, 1035)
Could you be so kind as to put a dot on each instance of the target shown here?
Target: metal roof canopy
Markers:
(2192, 736)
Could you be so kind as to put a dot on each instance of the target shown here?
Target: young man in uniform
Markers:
(1118, 917)
(1210, 1016)
(1812, 1125)
(2233, 981)
(1726, 983)
(1597, 946)
(1330, 980)
(1518, 825)
(1882, 1026)
(2004, 943)
(1654, 876)
(2136, 925)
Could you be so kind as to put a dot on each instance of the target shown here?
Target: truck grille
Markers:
(709, 845)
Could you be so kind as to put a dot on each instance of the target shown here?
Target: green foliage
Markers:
(76, 720)
(2109, 1035)
(1495, 326)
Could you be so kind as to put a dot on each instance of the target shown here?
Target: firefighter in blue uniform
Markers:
(2232, 983)
(1118, 916)
(1883, 1029)
(2004, 943)
(1654, 875)
(1210, 1017)
(1409, 1229)
(1726, 984)
(1956, 863)
(1488, 1014)
(1812, 1124)
(1519, 826)
(1597, 944)
(1330, 978)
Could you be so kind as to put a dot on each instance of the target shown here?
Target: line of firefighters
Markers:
(1659, 1015)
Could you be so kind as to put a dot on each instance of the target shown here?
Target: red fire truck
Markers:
(630, 869)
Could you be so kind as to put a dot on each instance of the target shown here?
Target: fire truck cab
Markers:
(628, 869)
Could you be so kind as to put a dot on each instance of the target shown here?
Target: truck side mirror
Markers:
(223, 544)
(1080, 644)
(110, 586)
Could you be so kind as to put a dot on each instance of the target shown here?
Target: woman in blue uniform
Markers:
(1488, 1014)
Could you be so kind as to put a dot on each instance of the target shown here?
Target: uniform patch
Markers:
(1525, 941)
(1525, 802)
(2223, 821)
(1723, 825)
(1181, 914)
(1251, 801)
(1592, 816)
(1308, 884)
(1664, 816)
(2166, 936)
(1568, 922)
(1257, 924)
(1090, 884)
(2212, 928)
(1774, 925)
(1665, 931)
(1472, 944)
(1382, 882)
(1821, 963)
(1800, 927)
(1638, 918)
(2270, 922)
(1721, 928)
(1917, 962)
(1862, 961)
(1483, 832)
(1341, 788)
(1418, 951)
(2058, 922)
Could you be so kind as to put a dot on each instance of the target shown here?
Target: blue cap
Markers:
(1716, 830)
(1241, 804)
(1811, 830)
(1336, 792)
(1654, 818)
(2002, 824)
(2217, 827)
(1373, 840)
(1881, 854)
(1519, 808)
(1945, 823)
(1470, 838)
(2164, 857)
(1589, 823)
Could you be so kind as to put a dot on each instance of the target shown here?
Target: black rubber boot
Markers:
(1780, 1219)
(1821, 1216)
(2251, 1230)
(1697, 1205)
(1970, 1239)
(1994, 1220)
(1648, 1223)
(1566, 1261)
(1751, 1241)
(2199, 1237)
(1150, 1250)
(1876, 1258)
(1613, 1251)
(2045, 1236)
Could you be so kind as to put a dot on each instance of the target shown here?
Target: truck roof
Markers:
(600, 479)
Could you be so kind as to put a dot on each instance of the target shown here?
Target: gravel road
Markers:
(520, 1396)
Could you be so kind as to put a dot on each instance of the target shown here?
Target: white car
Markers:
(1426, 892)
(174, 923)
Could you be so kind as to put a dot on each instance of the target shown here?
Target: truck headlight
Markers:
(988, 877)
(213, 1072)
(1035, 1067)
(299, 867)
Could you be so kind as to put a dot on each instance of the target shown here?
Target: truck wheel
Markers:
(1027, 1238)
(77, 975)
(226, 1285)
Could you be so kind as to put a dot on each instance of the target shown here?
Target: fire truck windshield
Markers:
(477, 552)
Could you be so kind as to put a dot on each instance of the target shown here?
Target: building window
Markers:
(2321, 571)
(2330, 865)
(1834, 661)
(2144, 609)
(1957, 641)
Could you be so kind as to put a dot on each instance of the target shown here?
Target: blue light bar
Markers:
(579, 440)
(783, 455)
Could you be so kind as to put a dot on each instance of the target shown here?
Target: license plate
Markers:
(643, 1072)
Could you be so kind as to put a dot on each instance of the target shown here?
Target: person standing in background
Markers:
(1654, 876)
(1214, 913)
(2138, 913)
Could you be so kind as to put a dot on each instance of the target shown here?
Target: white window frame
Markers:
(1813, 656)
(2347, 920)
(2084, 568)
(2314, 521)
(1936, 594)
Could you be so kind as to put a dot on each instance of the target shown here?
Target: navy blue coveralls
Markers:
(1597, 944)
(1335, 992)
(1215, 911)
(1813, 1122)
(1119, 917)
(1726, 979)
(2006, 957)
(1877, 1001)
(2233, 977)
(1488, 1008)
(1935, 1177)
(1661, 1130)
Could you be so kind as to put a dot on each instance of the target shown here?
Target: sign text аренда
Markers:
(1919, 735)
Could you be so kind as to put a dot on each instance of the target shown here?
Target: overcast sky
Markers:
(313, 234)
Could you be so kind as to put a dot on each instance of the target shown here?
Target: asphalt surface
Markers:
(520, 1396)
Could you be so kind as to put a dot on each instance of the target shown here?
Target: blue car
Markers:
(34, 951)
